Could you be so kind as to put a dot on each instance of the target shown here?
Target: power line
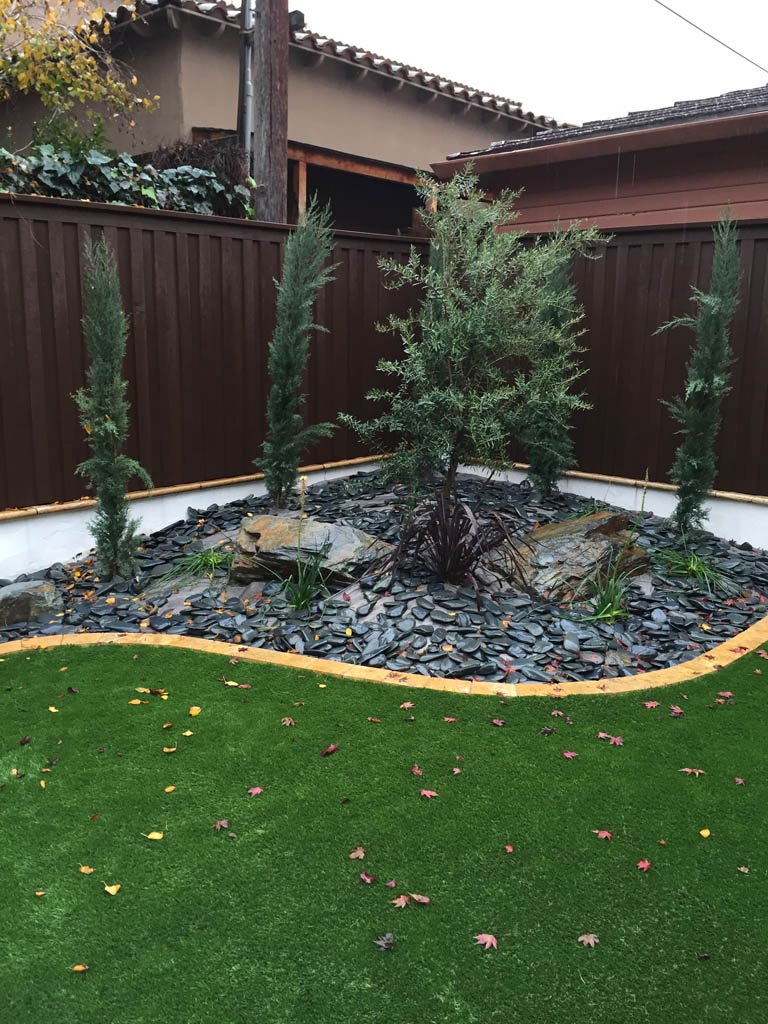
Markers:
(698, 28)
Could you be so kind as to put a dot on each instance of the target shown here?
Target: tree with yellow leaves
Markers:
(59, 51)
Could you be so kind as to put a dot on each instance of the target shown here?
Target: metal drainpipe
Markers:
(246, 82)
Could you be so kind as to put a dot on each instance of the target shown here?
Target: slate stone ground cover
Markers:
(413, 624)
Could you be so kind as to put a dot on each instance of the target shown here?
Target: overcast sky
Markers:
(574, 60)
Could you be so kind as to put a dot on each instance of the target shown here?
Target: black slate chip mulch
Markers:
(412, 624)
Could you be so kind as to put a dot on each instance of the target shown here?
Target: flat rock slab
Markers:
(558, 557)
(267, 546)
(22, 602)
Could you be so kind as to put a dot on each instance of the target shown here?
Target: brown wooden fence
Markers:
(643, 280)
(200, 295)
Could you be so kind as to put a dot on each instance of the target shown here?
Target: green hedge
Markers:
(118, 178)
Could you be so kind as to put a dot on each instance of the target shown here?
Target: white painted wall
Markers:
(37, 541)
(735, 520)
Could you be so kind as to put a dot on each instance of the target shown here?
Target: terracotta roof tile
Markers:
(302, 38)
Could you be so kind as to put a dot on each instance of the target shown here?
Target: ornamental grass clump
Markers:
(471, 344)
(305, 272)
(698, 410)
(103, 410)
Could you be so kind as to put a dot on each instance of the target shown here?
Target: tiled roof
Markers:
(743, 101)
(365, 59)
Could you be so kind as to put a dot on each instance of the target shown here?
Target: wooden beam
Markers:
(270, 111)
(301, 187)
(352, 164)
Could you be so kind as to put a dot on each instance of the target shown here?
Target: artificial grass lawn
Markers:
(276, 926)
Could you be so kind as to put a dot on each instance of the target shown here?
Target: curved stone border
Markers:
(702, 665)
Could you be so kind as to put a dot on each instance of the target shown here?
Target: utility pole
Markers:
(269, 111)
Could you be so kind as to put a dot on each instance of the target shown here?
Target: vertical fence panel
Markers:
(200, 297)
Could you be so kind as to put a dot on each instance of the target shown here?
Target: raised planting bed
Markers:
(410, 622)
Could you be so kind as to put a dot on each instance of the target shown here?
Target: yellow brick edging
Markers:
(720, 656)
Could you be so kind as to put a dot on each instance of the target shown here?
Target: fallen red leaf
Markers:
(692, 771)
(616, 741)
(739, 781)
(357, 854)
(602, 833)
(650, 704)
(589, 939)
(497, 721)
(222, 823)
(255, 791)
(391, 883)
(418, 898)
(287, 721)
(366, 878)
(372, 718)
(428, 793)
(400, 901)
(25, 740)
(486, 940)
(643, 865)
(416, 770)
(407, 705)
(330, 749)
(447, 718)
(509, 848)
(569, 754)
(455, 771)
(675, 711)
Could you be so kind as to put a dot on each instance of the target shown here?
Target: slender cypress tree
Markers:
(305, 272)
(699, 409)
(104, 410)
(549, 400)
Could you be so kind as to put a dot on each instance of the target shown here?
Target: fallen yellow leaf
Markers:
(86, 869)
(142, 689)
(39, 892)
(194, 711)
(230, 682)
(137, 701)
(80, 968)
(169, 789)
(53, 710)
(113, 890)
(167, 725)
(169, 750)
(63, 668)
(42, 783)
(187, 732)
(110, 600)
(163, 696)
(347, 631)
(705, 833)
(322, 686)
(153, 835)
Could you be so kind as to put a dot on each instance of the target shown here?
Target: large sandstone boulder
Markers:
(269, 545)
(22, 602)
(557, 558)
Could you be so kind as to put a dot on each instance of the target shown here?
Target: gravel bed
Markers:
(412, 624)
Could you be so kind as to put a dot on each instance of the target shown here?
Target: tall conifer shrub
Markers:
(550, 400)
(305, 272)
(699, 409)
(103, 410)
(459, 392)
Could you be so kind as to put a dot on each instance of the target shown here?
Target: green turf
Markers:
(275, 926)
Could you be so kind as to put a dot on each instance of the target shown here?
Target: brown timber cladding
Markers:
(200, 296)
